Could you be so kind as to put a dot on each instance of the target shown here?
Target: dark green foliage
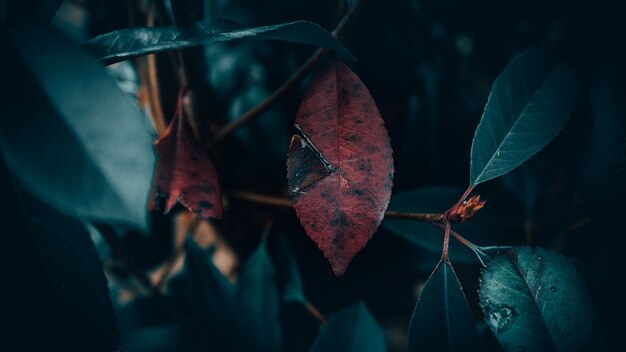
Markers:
(77, 120)
(534, 300)
(442, 320)
(352, 329)
(128, 43)
(530, 102)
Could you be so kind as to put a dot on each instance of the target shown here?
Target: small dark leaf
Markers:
(530, 102)
(483, 229)
(55, 294)
(71, 137)
(185, 173)
(293, 289)
(352, 329)
(234, 317)
(127, 43)
(339, 165)
(442, 320)
(602, 166)
(534, 300)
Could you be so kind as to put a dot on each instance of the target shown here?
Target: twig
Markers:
(300, 74)
(315, 312)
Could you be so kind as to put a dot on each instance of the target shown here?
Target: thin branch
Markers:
(300, 74)
(315, 312)
(446, 240)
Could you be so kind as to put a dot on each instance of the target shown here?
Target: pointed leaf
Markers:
(530, 102)
(185, 173)
(128, 43)
(339, 166)
(602, 166)
(483, 229)
(352, 329)
(442, 320)
(293, 288)
(55, 294)
(73, 138)
(534, 300)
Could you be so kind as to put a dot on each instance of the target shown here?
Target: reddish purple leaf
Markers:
(339, 166)
(185, 173)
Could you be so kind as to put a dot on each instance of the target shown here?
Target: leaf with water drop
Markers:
(530, 102)
(442, 320)
(534, 300)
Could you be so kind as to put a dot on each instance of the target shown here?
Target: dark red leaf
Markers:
(185, 173)
(339, 166)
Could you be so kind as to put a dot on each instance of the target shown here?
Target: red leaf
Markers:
(339, 166)
(185, 173)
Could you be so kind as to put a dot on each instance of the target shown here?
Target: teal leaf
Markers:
(530, 102)
(71, 137)
(483, 229)
(442, 320)
(352, 329)
(535, 300)
(287, 267)
(128, 43)
(237, 317)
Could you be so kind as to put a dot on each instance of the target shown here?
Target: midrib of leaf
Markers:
(530, 293)
(508, 134)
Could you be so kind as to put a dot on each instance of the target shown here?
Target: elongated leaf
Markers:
(287, 267)
(442, 320)
(55, 294)
(234, 317)
(352, 329)
(530, 102)
(127, 43)
(602, 167)
(483, 229)
(339, 166)
(70, 135)
(534, 300)
(185, 174)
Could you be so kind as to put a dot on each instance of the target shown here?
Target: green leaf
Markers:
(442, 320)
(530, 102)
(352, 329)
(293, 288)
(128, 43)
(70, 136)
(239, 317)
(534, 300)
(55, 294)
(483, 229)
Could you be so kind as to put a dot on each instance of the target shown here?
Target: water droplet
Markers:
(499, 317)
(497, 153)
(539, 257)
(553, 289)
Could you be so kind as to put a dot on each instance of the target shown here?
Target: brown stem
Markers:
(315, 312)
(446, 240)
(300, 74)
(462, 199)
(434, 218)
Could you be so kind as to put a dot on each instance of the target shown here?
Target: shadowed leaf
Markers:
(90, 151)
(530, 102)
(352, 329)
(442, 320)
(534, 300)
(339, 166)
(185, 173)
(128, 43)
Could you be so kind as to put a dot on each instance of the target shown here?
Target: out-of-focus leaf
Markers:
(351, 329)
(287, 267)
(38, 11)
(442, 320)
(528, 183)
(55, 294)
(602, 166)
(534, 300)
(530, 102)
(483, 229)
(235, 317)
(70, 135)
(185, 174)
(127, 43)
(339, 165)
